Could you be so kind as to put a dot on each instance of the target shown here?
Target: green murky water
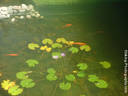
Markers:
(91, 23)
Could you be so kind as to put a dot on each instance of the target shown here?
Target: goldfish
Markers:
(78, 43)
(11, 54)
(67, 25)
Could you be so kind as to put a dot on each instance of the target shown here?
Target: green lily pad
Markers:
(57, 45)
(74, 50)
(81, 74)
(22, 75)
(82, 66)
(56, 54)
(105, 64)
(101, 84)
(33, 46)
(51, 70)
(65, 86)
(93, 78)
(61, 40)
(47, 41)
(15, 90)
(82, 95)
(51, 77)
(85, 47)
(32, 62)
(70, 77)
(27, 83)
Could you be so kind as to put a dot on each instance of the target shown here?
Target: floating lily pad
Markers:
(43, 47)
(15, 90)
(47, 41)
(51, 70)
(22, 75)
(61, 40)
(65, 86)
(70, 77)
(56, 54)
(32, 62)
(33, 46)
(69, 43)
(57, 45)
(101, 84)
(6, 84)
(93, 78)
(85, 47)
(81, 74)
(105, 64)
(51, 77)
(48, 49)
(74, 50)
(27, 83)
(82, 66)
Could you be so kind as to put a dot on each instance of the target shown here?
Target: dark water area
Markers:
(101, 25)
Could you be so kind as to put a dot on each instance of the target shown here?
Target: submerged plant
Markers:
(105, 64)
(93, 78)
(51, 77)
(51, 70)
(15, 90)
(6, 84)
(22, 75)
(85, 47)
(33, 46)
(82, 66)
(57, 45)
(32, 62)
(27, 83)
(70, 77)
(74, 50)
(81, 74)
(47, 41)
(101, 84)
(65, 86)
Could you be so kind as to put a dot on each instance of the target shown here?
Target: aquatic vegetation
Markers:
(93, 78)
(81, 74)
(70, 77)
(22, 75)
(101, 84)
(61, 40)
(85, 47)
(63, 54)
(65, 86)
(69, 43)
(27, 83)
(33, 46)
(48, 49)
(32, 62)
(51, 70)
(105, 64)
(43, 48)
(56, 55)
(6, 84)
(57, 45)
(51, 77)
(74, 50)
(47, 41)
(15, 90)
(82, 95)
(82, 66)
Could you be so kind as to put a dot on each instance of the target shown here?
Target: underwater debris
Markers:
(101, 84)
(82, 66)
(74, 50)
(65, 86)
(6, 84)
(51, 70)
(47, 41)
(61, 40)
(15, 90)
(85, 47)
(105, 64)
(51, 77)
(33, 46)
(27, 83)
(70, 77)
(93, 78)
(81, 74)
(57, 45)
(32, 62)
(22, 75)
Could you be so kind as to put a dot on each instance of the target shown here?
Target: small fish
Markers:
(11, 54)
(78, 43)
(67, 25)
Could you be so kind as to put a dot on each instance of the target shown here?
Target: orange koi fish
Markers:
(67, 25)
(78, 43)
(11, 54)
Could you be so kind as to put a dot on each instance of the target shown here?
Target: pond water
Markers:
(98, 25)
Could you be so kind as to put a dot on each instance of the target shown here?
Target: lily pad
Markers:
(47, 41)
(51, 77)
(51, 70)
(27, 83)
(22, 75)
(65, 86)
(82, 66)
(105, 64)
(101, 84)
(6, 84)
(33, 46)
(32, 62)
(81, 74)
(56, 54)
(15, 90)
(93, 78)
(85, 47)
(61, 40)
(74, 50)
(57, 45)
(70, 77)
